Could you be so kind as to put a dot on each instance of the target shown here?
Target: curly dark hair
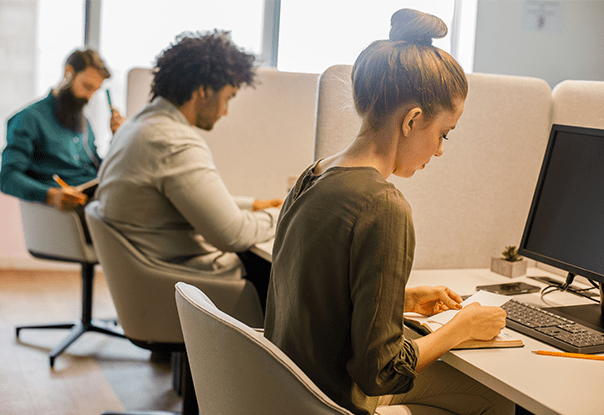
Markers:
(208, 59)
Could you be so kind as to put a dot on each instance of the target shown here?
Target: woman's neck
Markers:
(370, 148)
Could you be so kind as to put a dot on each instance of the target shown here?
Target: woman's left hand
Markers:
(431, 300)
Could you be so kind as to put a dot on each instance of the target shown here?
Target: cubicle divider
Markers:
(579, 103)
(267, 135)
(473, 201)
(467, 205)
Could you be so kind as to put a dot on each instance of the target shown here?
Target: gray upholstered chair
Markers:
(237, 370)
(58, 235)
(143, 294)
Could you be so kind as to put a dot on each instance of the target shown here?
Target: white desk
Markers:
(264, 250)
(541, 384)
(544, 385)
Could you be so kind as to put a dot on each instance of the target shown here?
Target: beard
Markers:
(69, 109)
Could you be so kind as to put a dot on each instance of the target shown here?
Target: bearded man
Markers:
(53, 137)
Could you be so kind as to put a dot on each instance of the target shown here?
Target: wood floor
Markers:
(96, 373)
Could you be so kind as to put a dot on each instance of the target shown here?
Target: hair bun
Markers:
(416, 27)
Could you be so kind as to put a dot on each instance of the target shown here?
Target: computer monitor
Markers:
(565, 224)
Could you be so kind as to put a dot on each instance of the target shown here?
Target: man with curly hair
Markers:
(158, 183)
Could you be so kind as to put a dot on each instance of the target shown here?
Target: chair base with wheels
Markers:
(55, 235)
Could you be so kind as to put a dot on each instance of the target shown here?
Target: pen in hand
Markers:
(575, 355)
(64, 185)
(109, 100)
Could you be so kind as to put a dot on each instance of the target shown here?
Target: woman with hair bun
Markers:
(345, 241)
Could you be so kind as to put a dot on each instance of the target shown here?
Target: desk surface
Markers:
(541, 384)
(264, 250)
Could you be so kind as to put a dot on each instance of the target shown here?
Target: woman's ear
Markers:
(411, 116)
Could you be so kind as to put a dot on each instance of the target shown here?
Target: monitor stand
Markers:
(590, 315)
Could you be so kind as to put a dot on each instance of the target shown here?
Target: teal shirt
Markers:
(37, 147)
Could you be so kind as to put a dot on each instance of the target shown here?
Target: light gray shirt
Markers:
(160, 188)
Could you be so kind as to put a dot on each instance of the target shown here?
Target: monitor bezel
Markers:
(523, 250)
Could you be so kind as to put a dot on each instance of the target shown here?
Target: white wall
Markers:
(17, 63)
(569, 44)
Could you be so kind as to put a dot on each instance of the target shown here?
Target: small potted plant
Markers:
(510, 264)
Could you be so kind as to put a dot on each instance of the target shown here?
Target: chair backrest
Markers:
(473, 201)
(579, 103)
(236, 370)
(143, 291)
(54, 234)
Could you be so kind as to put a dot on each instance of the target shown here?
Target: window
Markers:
(60, 31)
(133, 34)
(36, 38)
(315, 34)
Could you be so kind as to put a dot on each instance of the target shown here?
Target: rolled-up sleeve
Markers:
(383, 361)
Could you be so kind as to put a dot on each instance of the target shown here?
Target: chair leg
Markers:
(189, 398)
(86, 322)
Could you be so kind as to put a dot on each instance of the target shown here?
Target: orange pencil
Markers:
(575, 355)
(57, 179)
(64, 185)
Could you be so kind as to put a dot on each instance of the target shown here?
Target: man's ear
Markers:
(202, 91)
(69, 73)
(205, 91)
(408, 121)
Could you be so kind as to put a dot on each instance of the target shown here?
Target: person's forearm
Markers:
(16, 183)
(434, 345)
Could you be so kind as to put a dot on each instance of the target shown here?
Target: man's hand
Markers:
(116, 120)
(65, 198)
(264, 204)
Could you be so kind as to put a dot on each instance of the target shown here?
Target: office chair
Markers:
(237, 370)
(57, 235)
(143, 294)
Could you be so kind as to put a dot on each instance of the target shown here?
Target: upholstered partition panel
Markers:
(579, 103)
(267, 135)
(473, 201)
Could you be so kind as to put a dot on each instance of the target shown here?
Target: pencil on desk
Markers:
(574, 355)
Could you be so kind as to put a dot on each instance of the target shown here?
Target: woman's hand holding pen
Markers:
(480, 322)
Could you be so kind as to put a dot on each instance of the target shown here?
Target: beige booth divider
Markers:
(267, 135)
(579, 103)
(473, 201)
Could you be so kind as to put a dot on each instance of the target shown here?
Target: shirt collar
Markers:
(162, 104)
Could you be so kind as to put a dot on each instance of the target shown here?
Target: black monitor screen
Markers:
(565, 226)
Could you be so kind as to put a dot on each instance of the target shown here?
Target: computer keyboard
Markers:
(554, 330)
